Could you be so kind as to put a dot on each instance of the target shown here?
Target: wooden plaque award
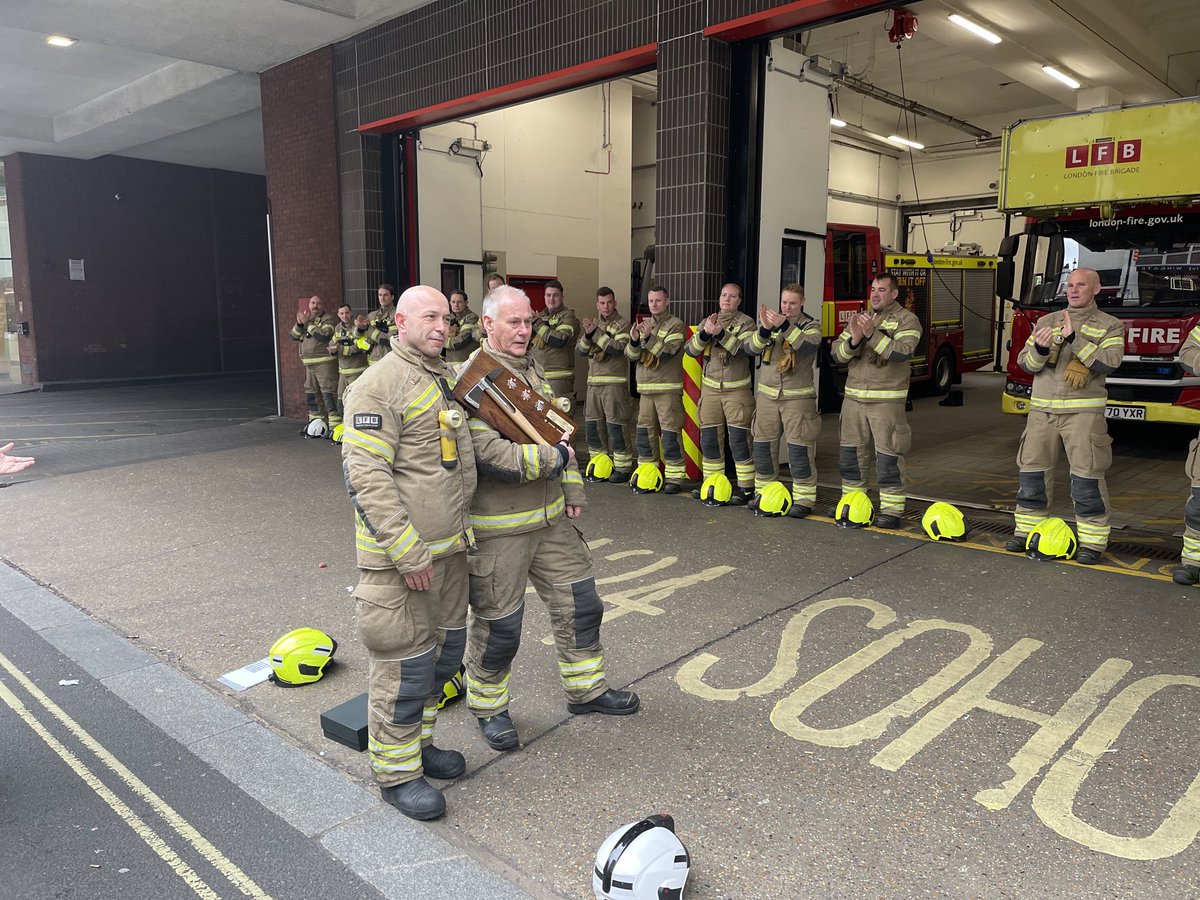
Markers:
(511, 406)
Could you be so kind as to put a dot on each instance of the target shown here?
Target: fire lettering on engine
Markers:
(1138, 334)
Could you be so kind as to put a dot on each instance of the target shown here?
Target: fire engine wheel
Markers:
(943, 371)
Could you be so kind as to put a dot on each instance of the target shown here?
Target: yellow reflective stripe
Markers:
(758, 342)
(422, 403)
(1112, 342)
(570, 477)
(317, 360)
(481, 695)
(660, 387)
(559, 373)
(899, 335)
(366, 543)
(726, 385)
(1086, 352)
(407, 540)
(395, 757)
(1086, 403)
(342, 371)
(449, 545)
(531, 460)
(884, 343)
(605, 379)
(582, 675)
(861, 394)
(370, 444)
(788, 393)
(1195, 334)
(1092, 331)
(516, 520)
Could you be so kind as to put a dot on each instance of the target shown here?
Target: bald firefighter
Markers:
(463, 337)
(555, 331)
(1070, 354)
(1188, 571)
(656, 345)
(411, 491)
(608, 411)
(529, 495)
(877, 348)
(785, 401)
(313, 331)
(350, 347)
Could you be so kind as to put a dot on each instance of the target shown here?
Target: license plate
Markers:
(1136, 413)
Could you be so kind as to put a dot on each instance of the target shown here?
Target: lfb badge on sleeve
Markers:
(368, 421)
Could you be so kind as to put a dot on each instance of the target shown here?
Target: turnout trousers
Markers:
(798, 421)
(416, 641)
(558, 563)
(321, 391)
(884, 424)
(607, 415)
(1191, 512)
(661, 412)
(1084, 435)
(732, 410)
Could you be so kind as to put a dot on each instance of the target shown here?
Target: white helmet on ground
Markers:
(642, 861)
(316, 428)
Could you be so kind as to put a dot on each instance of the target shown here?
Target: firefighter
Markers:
(382, 324)
(655, 344)
(412, 528)
(726, 400)
(876, 347)
(313, 331)
(1188, 571)
(555, 331)
(785, 401)
(350, 346)
(1069, 354)
(523, 516)
(464, 329)
(609, 409)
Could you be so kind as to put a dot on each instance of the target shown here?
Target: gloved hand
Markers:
(1076, 374)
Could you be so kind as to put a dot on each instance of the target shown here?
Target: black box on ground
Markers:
(346, 723)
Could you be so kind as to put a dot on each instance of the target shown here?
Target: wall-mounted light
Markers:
(837, 123)
(905, 142)
(977, 30)
(1061, 76)
(59, 40)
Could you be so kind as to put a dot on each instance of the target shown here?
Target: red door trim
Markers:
(788, 17)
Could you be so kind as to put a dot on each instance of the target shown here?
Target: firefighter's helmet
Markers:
(642, 861)
(646, 479)
(854, 510)
(599, 467)
(453, 689)
(1052, 539)
(338, 430)
(716, 490)
(944, 522)
(300, 657)
(775, 500)
(316, 429)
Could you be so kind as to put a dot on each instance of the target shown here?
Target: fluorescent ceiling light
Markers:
(1061, 76)
(837, 123)
(58, 40)
(905, 142)
(977, 30)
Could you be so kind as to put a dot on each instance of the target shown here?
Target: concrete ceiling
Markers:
(178, 81)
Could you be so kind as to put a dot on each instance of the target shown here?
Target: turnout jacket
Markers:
(381, 328)
(463, 337)
(1189, 353)
(522, 487)
(788, 353)
(879, 369)
(351, 357)
(314, 337)
(553, 343)
(727, 363)
(408, 508)
(1098, 342)
(605, 350)
(659, 362)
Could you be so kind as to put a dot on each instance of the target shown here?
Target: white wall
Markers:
(448, 202)
(871, 176)
(644, 177)
(950, 177)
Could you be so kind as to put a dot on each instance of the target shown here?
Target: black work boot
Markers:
(499, 732)
(738, 496)
(1186, 574)
(610, 703)
(417, 799)
(799, 512)
(672, 488)
(1016, 543)
(442, 764)
(887, 520)
(619, 477)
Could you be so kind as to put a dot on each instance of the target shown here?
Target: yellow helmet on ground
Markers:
(599, 467)
(338, 430)
(944, 522)
(775, 500)
(453, 689)
(1052, 539)
(716, 490)
(854, 510)
(646, 479)
(300, 657)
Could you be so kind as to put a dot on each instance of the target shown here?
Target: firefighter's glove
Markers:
(1076, 374)
(649, 360)
(786, 360)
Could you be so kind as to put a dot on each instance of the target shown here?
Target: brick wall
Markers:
(300, 145)
(165, 290)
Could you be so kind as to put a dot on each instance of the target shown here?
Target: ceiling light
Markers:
(837, 123)
(1061, 76)
(58, 40)
(905, 142)
(977, 30)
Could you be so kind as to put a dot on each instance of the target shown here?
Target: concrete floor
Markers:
(826, 712)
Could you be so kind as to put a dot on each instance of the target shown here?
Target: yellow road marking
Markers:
(182, 827)
(88, 437)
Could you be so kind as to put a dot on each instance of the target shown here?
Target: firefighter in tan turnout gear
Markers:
(464, 329)
(522, 516)
(313, 331)
(412, 529)
(555, 331)
(1069, 355)
(876, 348)
(382, 324)
(608, 408)
(726, 401)
(656, 345)
(350, 346)
(786, 398)
(1188, 571)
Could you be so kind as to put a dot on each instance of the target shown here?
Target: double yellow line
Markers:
(239, 879)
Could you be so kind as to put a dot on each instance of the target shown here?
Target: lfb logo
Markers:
(1104, 152)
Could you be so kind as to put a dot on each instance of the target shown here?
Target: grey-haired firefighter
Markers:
(522, 517)
(1188, 571)
(726, 398)
(313, 331)
(350, 347)
(785, 400)
(555, 331)
(877, 348)
(1069, 354)
(656, 345)
(608, 409)
(409, 466)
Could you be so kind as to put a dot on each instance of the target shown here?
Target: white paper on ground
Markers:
(247, 676)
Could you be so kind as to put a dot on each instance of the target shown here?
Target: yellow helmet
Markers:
(599, 467)
(1052, 539)
(338, 430)
(453, 689)
(300, 657)
(647, 479)
(775, 500)
(854, 510)
(716, 490)
(944, 522)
